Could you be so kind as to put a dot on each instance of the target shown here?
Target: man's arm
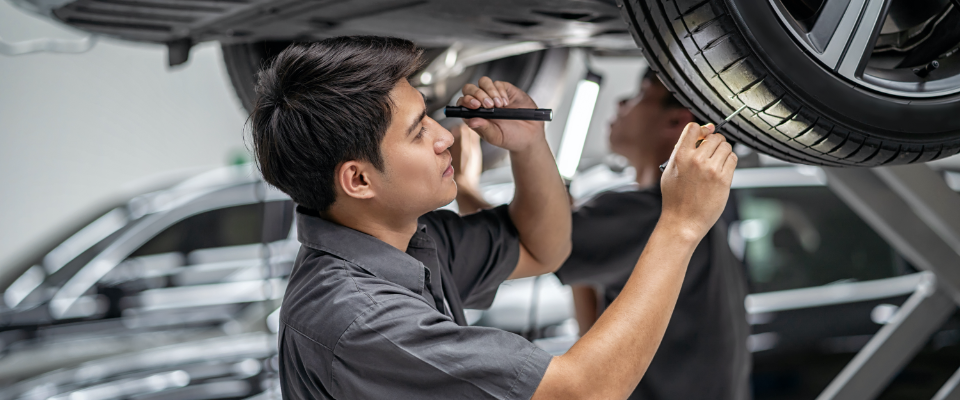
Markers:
(540, 208)
(468, 164)
(608, 362)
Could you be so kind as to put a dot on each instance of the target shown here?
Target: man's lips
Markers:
(449, 171)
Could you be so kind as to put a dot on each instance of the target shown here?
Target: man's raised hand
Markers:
(512, 135)
(696, 182)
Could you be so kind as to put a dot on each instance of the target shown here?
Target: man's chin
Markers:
(448, 198)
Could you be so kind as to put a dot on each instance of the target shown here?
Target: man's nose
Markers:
(444, 140)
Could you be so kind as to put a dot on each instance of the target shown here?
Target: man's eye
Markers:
(420, 134)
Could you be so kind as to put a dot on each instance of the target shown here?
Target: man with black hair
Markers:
(374, 304)
(705, 342)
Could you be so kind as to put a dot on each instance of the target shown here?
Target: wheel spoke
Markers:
(863, 38)
(828, 22)
(845, 29)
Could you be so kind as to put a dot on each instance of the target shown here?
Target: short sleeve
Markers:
(481, 250)
(401, 348)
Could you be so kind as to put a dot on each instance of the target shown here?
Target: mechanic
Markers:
(374, 304)
(706, 339)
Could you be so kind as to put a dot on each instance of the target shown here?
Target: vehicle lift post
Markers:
(915, 211)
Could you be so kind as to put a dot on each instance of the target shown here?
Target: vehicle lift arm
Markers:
(914, 210)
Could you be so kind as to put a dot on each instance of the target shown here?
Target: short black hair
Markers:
(324, 103)
(669, 101)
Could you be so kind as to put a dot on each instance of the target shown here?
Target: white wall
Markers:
(76, 129)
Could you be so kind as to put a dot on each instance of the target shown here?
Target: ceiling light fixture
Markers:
(578, 124)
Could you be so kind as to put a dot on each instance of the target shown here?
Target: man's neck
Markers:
(395, 232)
(648, 174)
(648, 169)
(646, 161)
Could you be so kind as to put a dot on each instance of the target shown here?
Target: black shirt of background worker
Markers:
(703, 354)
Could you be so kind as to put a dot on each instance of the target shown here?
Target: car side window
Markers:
(795, 237)
(226, 245)
(230, 226)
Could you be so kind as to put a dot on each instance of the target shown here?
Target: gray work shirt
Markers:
(364, 320)
(703, 354)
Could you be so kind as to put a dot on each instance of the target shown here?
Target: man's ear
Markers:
(353, 178)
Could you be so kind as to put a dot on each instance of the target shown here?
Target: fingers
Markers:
(729, 164)
(707, 129)
(689, 136)
(473, 97)
(504, 89)
(722, 160)
(476, 123)
(712, 152)
(698, 141)
(687, 142)
(719, 157)
(710, 144)
(486, 93)
(487, 85)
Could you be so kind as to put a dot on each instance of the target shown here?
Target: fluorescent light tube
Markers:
(578, 123)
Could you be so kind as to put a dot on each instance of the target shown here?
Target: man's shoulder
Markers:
(326, 294)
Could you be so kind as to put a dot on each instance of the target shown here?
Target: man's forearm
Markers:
(540, 208)
(608, 361)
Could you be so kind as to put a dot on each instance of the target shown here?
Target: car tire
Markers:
(717, 55)
(244, 60)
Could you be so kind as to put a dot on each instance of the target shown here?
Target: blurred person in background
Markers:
(703, 354)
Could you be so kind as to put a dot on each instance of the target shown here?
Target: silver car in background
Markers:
(203, 260)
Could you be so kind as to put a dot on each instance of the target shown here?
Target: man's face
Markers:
(643, 121)
(418, 175)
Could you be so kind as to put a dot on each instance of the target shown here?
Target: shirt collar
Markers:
(373, 255)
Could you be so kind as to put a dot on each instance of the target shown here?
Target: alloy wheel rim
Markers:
(859, 41)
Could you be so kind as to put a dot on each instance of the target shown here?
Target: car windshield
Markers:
(79, 246)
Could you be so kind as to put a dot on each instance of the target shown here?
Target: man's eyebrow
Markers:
(417, 121)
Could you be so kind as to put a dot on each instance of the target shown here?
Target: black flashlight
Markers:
(525, 114)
